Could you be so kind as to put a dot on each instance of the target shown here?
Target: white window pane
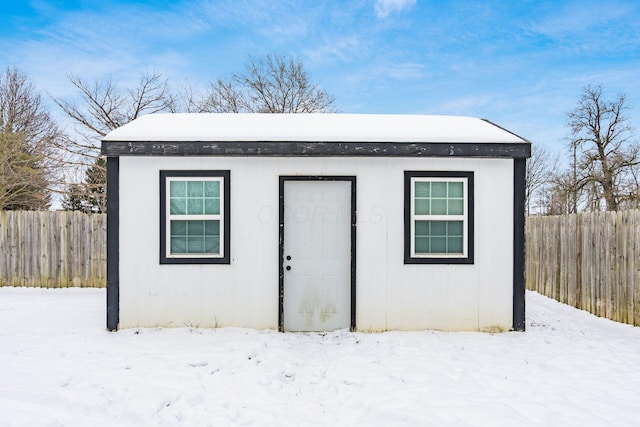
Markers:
(422, 189)
(422, 207)
(455, 189)
(178, 228)
(212, 228)
(212, 206)
(195, 188)
(195, 228)
(198, 197)
(195, 245)
(438, 245)
(422, 228)
(212, 245)
(212, 189)
(438, 189)
(438, 206)
(422, 245)
(438, 228)
(178, 206)
(455, 207)
(435, 199)
(178, 188)
(454, 228)
(454, 245)
(179, 245)
(445, 237)
(195, 206)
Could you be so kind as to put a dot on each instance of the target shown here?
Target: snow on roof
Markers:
(327, 127)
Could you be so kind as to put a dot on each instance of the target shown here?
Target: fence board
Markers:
(52, 249)
(590, 261)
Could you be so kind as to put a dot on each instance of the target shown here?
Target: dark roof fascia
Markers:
(520, 150)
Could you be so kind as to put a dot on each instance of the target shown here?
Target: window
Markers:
(438, 218)
(194, 217)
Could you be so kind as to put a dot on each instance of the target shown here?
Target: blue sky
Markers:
(521, 64)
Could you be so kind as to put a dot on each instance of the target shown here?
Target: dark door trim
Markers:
(283, 179)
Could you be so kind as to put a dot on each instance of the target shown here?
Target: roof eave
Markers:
(317, 149)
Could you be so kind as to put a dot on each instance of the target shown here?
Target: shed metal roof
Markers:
(323, 127)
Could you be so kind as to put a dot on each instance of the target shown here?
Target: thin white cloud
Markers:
(590, 27)
(578, 18)
(402, 71)
(344, 49)
(96, 45)
(385, 75)
(384, 8)
(279, 22)
(465, 104)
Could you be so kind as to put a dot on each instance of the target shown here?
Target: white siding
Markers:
(390, 294)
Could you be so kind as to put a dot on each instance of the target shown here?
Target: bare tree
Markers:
(105, 107)
(604, 154)
(541, 168)
(225, 97)
(189, 100)
(29, 138)
(630, 199)
(270, 84)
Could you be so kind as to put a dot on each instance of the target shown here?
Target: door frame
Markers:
(283, 179)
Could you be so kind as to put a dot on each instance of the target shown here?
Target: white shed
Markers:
(313, 222)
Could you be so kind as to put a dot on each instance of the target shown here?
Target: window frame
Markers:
(467, 256)
(166, 176)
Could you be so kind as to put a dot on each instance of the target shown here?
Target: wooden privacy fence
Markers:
(52, 249)
(590, 261)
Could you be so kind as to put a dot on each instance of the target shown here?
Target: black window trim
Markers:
(226, 223)
(408, 258)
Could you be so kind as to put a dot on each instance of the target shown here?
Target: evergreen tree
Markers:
(90, 195)
(72, 200)
(96, 186)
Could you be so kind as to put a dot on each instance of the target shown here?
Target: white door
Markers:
(317, 255)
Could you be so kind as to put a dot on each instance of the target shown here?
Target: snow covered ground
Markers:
(59, 367)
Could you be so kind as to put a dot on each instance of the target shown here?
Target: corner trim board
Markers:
(113, 243)
(519, 285)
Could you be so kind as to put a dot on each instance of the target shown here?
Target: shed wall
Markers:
(390, 294)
